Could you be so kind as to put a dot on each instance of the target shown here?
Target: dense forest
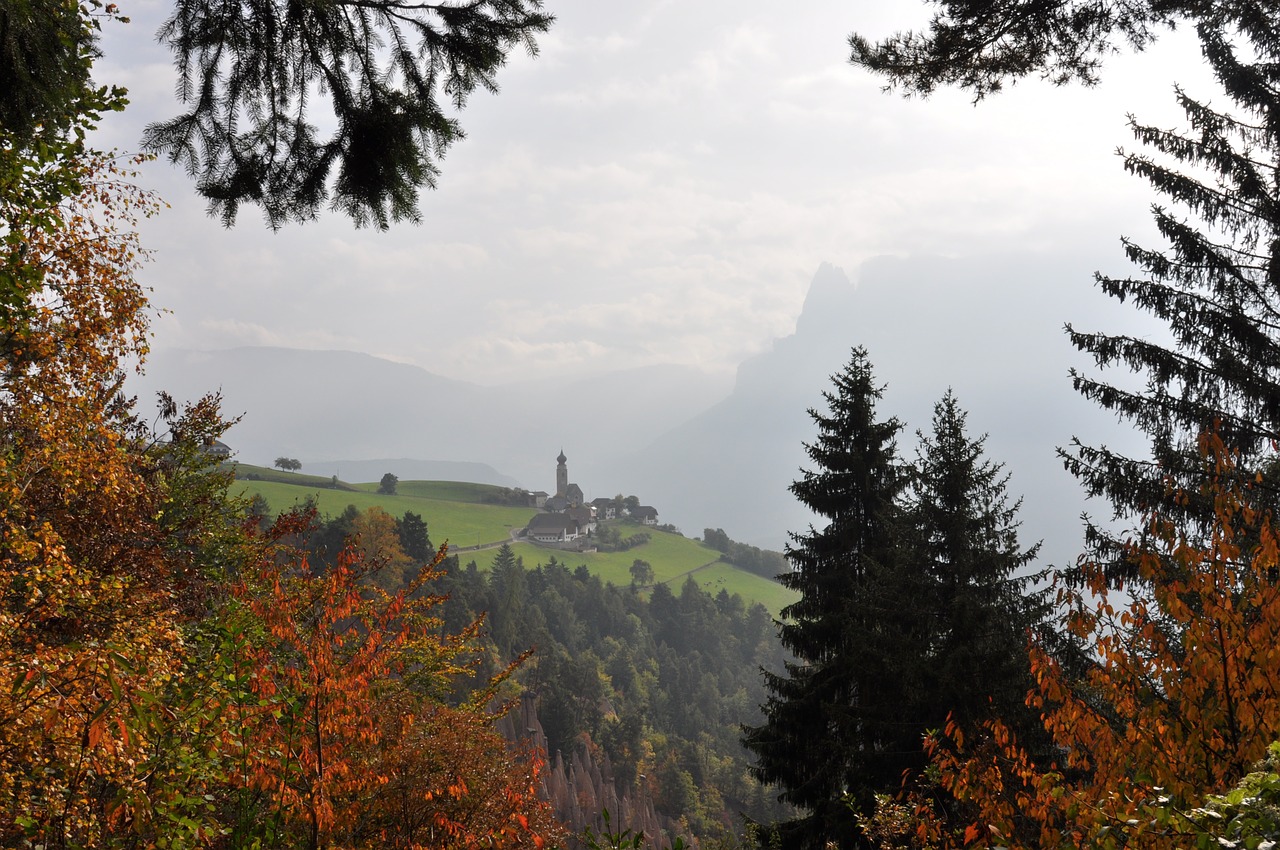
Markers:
(656, 680)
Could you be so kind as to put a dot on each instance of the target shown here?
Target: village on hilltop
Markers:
(567, 518)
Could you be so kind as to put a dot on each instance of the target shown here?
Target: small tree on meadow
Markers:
(387, 486)
(641, 573)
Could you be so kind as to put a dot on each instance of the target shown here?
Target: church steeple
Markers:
(562, 474)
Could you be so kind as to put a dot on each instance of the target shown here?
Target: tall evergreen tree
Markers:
(833, 724)
(1216, 285)
(982, 598)
(414, 537)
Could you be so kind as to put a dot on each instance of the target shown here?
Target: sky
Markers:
(659, 185)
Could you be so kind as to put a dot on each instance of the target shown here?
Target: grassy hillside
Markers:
(298, 479)
(673, 558)
(461, 523)
(452, 491)
(449, 491)
(456, 512)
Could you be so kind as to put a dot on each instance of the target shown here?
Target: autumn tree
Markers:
(376, 534)
(349, 742)
(1179, 700)
(833, 716)
(138, 690)
(94, 555)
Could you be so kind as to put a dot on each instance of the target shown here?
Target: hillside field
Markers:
(455, 512)
(673, 558)
(461, 523)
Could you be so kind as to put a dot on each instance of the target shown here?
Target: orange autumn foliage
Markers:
(88, 621)
(350, 745)
(450, 782)
(1181, 697)
(167, 679)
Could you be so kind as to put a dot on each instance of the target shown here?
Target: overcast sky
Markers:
(658, 186)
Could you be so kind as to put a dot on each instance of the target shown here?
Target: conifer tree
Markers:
(253, 73)
(1216, 285)
(832, 723)
(983, 600)
(980, 46)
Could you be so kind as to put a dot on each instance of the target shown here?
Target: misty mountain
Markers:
(411, 469)
(680, 439)
(999, 322)
(320, 405)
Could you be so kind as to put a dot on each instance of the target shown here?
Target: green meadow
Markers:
(461, 523)
(455, 512)
(673, 558)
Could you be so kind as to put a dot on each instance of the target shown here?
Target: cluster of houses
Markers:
(567, 516)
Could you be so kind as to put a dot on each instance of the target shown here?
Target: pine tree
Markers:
(983, 600)
(832, 724)
(1216, 285)
(981, 46)
(253, 74)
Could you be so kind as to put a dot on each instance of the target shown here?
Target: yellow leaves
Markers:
(88, 632)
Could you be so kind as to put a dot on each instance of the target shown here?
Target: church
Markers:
(567, 495)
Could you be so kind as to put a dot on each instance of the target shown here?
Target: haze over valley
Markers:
(706, 453)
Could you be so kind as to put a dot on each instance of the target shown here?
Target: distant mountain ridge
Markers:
(999, 320)
(704, 454)
(321, 405)
(411, 469)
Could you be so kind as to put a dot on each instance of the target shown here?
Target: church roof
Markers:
(550, 522)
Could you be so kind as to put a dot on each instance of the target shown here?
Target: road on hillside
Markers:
(513, 537)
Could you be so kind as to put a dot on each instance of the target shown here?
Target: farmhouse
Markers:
(645, 514)
(217, 448)
(584, 517)
(553, 528)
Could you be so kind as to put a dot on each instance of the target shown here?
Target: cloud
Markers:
(659, 186)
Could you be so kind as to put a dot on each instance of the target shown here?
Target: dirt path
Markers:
(690, 572)
(513, 537)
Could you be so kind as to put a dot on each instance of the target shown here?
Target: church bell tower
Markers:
(562, 475)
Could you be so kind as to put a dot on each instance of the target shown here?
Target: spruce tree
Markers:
(983, 599)
(980, 45)
(258, 77)
(833, 731)
(1216, 285)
